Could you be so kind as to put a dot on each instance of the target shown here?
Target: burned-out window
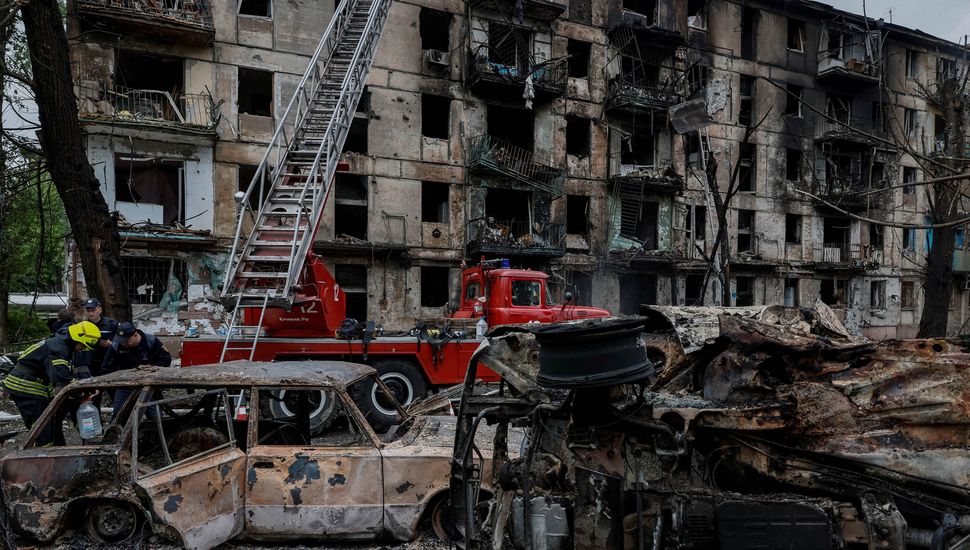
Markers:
(793, 100)
(150, 279)
(695, 224)
(749, 33)
(791, 292)
(578, 52)
(577, 211)
(350, 206)
(161, 437)
(353, 281)
(909, 176)
(245, 175)
(434, 286)
(693, 286)
(946, 69)
(255, 92)
(290, 423)
(435, 116)
(257, 8)
(434, 27)
(793, 164)
(744, 291)
(877, 294)
(913, 62)
(875, 235)
(435, 202)
(697, 14)
(509, 46)
(697, 77)
(745, 230)
(638, 148)
(910, 121)
(793, 229)
(746, 172)
(577, 135)
(746, 94)
(909, 239)
(143, 80)
(694, 147)
(647, 8)
(516, 126)
(150, 189)
(526, 293)
(356, 141)
(907, 298)
(796, 35)
(833, 292)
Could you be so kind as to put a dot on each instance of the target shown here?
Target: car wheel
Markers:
(404, 380)
(440, 517)
(322, 403)
(112, 522)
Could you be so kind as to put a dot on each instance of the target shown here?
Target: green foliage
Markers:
(33, 329)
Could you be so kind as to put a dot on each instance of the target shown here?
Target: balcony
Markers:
(514, 237)
(186, 22)
(541, 10)
(847, 74)
(494, 79)
(493, 156)
(155, 109)
(849, 193)
(638, 96)
(846, 256)
(847, 129)
(651, 179)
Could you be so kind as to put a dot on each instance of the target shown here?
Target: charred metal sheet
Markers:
(201, 500)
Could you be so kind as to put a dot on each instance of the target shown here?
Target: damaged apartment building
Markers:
(548, 132)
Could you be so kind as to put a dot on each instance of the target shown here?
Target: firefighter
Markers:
(43, 370)
(132, 348)
(108, 326)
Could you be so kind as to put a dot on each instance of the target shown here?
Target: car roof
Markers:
(336, 374)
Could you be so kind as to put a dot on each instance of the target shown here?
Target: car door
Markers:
(325, 486)
(197, 490)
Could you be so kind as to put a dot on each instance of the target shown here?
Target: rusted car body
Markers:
(762, 429)
(192, 453)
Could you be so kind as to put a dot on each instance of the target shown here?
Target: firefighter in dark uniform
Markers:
(43, 370)
(94, 359)
(132, 348)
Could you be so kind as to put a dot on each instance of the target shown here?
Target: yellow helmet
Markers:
(86, 333)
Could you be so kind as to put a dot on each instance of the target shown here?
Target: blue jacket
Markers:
(150, 351)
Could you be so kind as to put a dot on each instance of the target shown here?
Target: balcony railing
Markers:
(193, 16)
(490, 154)
(148, 107)
(490, 235)
(846, 127)
(853, 255)
(548, 78)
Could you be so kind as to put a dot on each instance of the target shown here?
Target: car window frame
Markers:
(252, 432)
(59, 400)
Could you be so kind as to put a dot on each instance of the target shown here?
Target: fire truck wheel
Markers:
(406, 382)
(285, 403)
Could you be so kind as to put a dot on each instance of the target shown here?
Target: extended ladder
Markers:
(293, 180)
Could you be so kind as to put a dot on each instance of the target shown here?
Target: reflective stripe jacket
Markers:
(94, 359)
(43, 368)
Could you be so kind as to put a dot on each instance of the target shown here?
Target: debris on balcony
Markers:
(152, 108)
(501, 235)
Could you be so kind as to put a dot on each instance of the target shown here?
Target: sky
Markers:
(949, 19)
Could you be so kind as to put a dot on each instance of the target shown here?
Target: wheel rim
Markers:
(318, 399)
(112, 522)
(401, 389)
(439, 520)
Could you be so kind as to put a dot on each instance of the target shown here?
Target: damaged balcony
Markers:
(847, 129)
(845, 257)
(154, 109)
(848, 58)
(489, 155)
(653, 179)
(187, 22)
(848, 193)
(541, 10)
(493, 76)
(516, 238)
(644, 76)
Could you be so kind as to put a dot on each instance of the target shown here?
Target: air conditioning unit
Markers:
(437, 57)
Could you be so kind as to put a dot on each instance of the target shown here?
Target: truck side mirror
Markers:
(567, 298)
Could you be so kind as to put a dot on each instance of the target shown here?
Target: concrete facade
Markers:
(591, 183)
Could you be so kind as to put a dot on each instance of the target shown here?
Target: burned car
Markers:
(195, 456)
(714, 429)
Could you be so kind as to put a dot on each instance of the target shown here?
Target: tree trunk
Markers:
(94, 229)
(938, 282)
